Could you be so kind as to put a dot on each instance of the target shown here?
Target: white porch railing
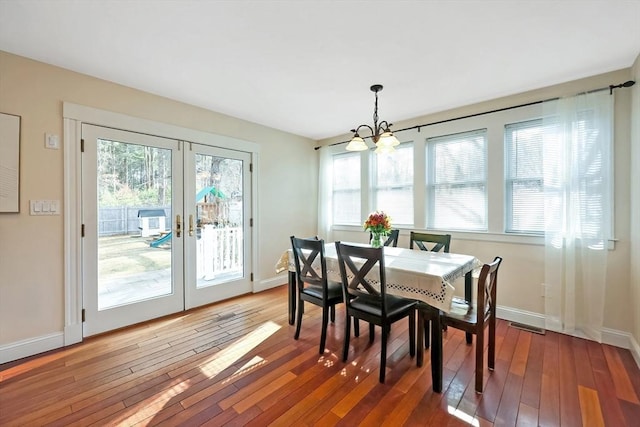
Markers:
(219, 252)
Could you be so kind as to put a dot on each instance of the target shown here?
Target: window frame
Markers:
(375, 188)
(432, 185)
(345, 191)
(508, 181)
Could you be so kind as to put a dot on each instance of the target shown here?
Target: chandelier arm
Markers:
(385, 125)
(357, 130)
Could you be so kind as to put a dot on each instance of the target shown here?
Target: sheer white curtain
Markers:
(578, 146)
(325, 193)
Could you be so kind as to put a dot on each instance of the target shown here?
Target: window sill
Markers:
(520, 239)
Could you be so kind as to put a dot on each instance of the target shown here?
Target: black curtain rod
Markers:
(609, 88)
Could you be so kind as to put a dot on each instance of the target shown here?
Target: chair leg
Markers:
(492, 344)
(383, 352)
(371, 332)
(412, 333)
(427, 337)
(347, 332)
(323, 336)
(299, 320)
(419, 333)
(356, 327)
(479, 361)
(333, 314)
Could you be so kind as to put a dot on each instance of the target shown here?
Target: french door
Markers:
(217, 195)
(164, 226)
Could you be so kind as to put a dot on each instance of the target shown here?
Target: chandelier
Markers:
(380, 132)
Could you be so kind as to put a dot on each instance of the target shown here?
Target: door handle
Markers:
(190, 225)
(178, 226)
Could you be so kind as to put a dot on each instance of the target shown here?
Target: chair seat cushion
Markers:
(334, 291)
(395, 305)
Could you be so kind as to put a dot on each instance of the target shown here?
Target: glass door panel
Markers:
(218, 226)
(134, 241)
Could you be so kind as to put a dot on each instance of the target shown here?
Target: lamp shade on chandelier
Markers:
(380, 132)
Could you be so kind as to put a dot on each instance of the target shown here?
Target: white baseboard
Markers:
(29, 347)
(616, 338)
(520, 316)
(263, 285)
(635, 350)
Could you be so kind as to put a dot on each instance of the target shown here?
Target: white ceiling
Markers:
(306, 66)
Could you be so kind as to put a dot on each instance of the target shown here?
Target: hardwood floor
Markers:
(236, 363)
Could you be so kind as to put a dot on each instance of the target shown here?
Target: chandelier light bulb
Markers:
(357, 144)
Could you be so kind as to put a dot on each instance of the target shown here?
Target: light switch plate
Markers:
(51, 141)
(44, 207)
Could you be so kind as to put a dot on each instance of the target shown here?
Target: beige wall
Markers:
(31, 247)
(635, 207)
(522, 271)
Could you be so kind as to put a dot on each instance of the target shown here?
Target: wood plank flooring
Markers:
(236, 363)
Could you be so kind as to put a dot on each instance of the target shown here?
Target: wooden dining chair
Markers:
(475, 318)
(392, 238)
(313, 284)
(366, 298)
(434, 243)
(430, 242)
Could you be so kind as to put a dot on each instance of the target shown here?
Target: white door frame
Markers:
(74, 116)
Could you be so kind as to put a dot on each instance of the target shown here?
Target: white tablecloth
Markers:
(421, 275)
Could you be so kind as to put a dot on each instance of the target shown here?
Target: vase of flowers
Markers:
(379, 225)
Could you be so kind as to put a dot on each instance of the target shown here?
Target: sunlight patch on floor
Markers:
(253, 364)
(463, 416)
(148, 408)
(227, 356)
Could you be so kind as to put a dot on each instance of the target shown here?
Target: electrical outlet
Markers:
(543, 288)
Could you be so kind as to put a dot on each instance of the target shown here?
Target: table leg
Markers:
(292, 297)
(436, 353)
(468, 297)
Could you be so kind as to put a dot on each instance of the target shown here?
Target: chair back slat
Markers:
(487, 287)
(356, 263)
(440, 242)
(305, 254)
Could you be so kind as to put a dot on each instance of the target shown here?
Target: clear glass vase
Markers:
(377, 240)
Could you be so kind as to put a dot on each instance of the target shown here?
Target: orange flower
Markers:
(378, 222)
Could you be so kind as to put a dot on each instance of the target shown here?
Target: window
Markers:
(346, 188)
(392, 187)
(524, 177)
(457, 182)
(550, 174)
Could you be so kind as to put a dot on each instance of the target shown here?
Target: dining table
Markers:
(421, 275)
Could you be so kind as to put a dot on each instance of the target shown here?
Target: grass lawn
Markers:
(125, 255)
